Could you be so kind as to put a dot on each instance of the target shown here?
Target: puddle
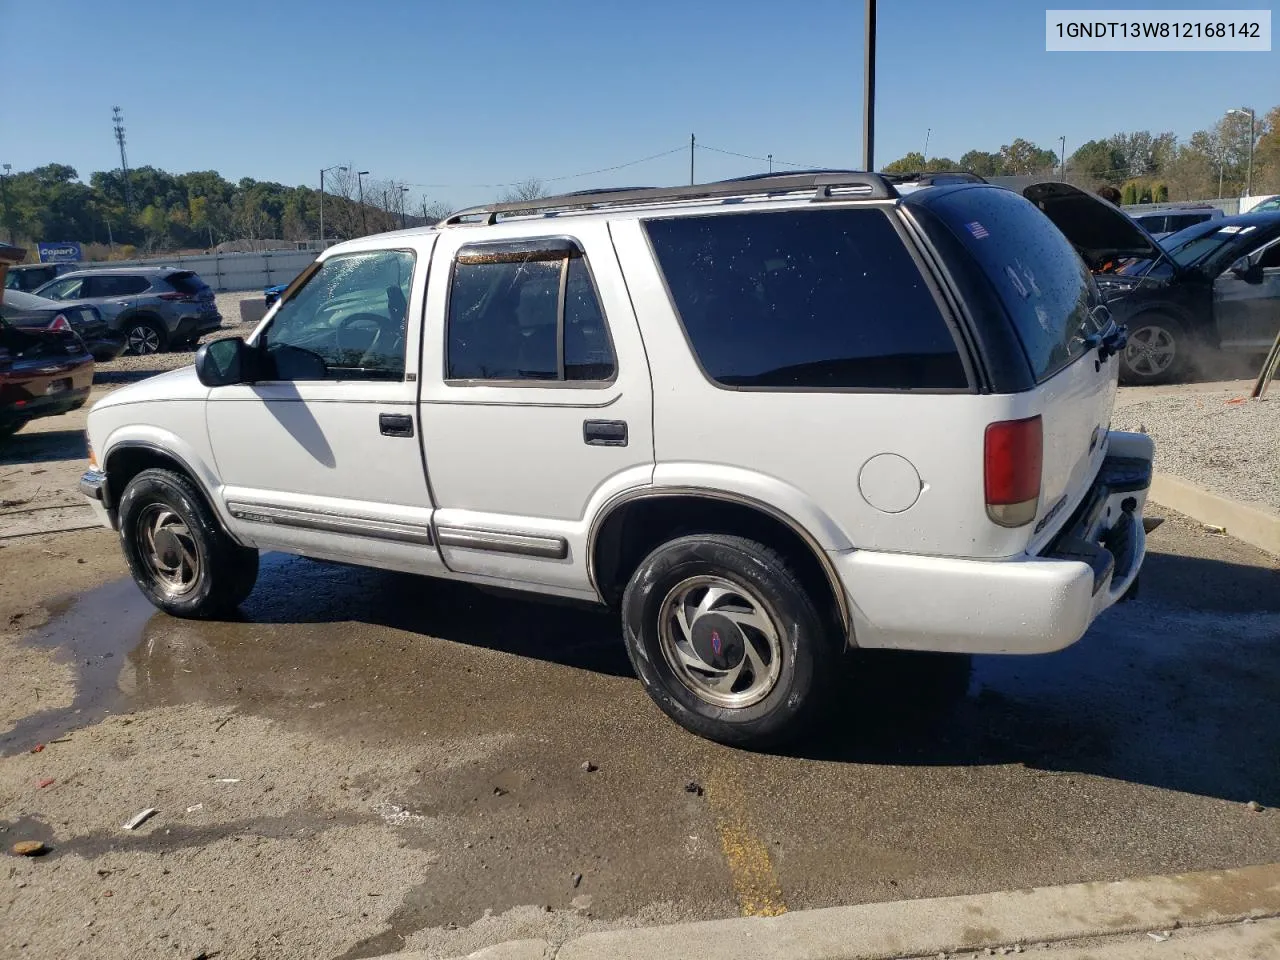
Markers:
(320, 643)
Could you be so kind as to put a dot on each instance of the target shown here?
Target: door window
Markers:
(65, 289)
(526, 313)
(1270, 258)
(113, 285)
(347, 322)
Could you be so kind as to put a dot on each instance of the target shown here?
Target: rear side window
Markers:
(1044, 285)
(1181, 221)
(186, 282)
(808, 299)
(114, 285)
(526, 313)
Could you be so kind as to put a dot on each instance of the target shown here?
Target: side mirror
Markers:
(1247, 270)
(220, 363)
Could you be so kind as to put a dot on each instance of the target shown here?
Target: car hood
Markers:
(180, 384)
(1099, 231)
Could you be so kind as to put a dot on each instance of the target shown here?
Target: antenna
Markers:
(117, 118)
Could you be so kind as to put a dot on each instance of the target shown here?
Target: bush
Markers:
(1129, 193)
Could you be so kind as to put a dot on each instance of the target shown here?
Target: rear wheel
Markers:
(1156, 351)
(727, 641)
(143, 337)
(177, 552)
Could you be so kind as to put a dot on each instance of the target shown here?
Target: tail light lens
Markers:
(60, 322)
(180, 297)
(1013, 457)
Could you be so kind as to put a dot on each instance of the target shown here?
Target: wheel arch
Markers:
(125, 459)
(633, 522)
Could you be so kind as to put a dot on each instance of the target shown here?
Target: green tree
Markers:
(1097, 160)
(982, 163)
(1129, 193)
(911, 163)
(1022, 157)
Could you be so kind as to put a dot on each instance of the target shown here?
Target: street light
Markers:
(360, 175)
(4, 185)
(403, 191)
(1063, 154)
(323, 171)
(1248, 187)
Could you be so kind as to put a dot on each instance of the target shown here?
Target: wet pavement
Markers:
(1133, 752)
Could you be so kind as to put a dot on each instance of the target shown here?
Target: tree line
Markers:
(196, 211)
(1145, 167)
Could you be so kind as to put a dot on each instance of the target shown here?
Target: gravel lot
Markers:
(1230, 448)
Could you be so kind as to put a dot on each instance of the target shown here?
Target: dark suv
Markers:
(155, 308)
(31, 276)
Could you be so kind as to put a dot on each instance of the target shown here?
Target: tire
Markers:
(1157, 351)
(195, 571)
(771, 701)
(143, 337)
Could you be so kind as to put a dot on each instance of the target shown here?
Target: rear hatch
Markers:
(192, 289)
(1051, 304)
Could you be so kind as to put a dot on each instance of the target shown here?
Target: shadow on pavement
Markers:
(44, 447)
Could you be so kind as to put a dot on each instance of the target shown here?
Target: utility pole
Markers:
(4, 187)
(117, 118)
(693, 141)
(1063, 154)
(771, 163)
(323, 171)
(360, 175)
(869, 90)
(928, 132)
(403, 191)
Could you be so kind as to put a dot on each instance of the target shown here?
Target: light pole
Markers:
(869, 88)
(1248, 184)
(1063, 155)
(403, 191)
(323, 171)
(927, 134)
(360, 175)
(4, 186)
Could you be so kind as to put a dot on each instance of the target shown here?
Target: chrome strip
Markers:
(528, 545)
(332, 522)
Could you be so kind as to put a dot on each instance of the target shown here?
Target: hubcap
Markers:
(1150, 350)
(721, 641)
(142, 339)
(168, 549)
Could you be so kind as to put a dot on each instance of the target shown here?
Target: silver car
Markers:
(153, 308)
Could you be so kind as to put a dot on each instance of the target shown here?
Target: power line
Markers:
(567, 176)
(747, 156)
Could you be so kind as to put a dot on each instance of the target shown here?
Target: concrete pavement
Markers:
(1226, 913)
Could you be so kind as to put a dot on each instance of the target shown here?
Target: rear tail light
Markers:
(1013, 456)
(180, 297)
(60, 322)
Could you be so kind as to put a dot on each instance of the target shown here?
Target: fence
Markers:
(1229, 206)
(231, 271)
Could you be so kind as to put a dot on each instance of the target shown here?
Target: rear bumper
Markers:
(1027, 604)
(49, 406)
(197, 325)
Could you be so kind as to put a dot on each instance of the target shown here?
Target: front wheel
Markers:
(727, 641)
(178, 554)
(1156, 351)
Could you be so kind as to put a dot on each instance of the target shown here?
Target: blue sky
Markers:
(452, 95)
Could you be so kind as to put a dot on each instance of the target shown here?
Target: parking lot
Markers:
(369, 761)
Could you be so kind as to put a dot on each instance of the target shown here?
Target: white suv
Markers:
(768, 420)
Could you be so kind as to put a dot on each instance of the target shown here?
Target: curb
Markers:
(876, 931)
(1256, 527)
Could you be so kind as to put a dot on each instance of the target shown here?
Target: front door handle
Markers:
(604, 433)
(395, 424)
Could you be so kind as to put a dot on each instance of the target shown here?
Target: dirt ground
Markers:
(367, 761)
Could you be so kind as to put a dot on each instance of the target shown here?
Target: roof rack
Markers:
(935, 177)
(870, 185)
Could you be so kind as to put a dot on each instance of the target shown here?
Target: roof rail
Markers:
(870, 185)
(935, 177)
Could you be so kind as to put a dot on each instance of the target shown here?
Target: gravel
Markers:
(129, 369)
(1232, 449)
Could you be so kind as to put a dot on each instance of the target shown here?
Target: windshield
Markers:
(1196, 244)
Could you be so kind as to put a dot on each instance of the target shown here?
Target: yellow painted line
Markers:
(755, 884)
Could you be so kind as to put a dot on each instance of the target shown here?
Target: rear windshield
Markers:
(1045, 286)
(812, 299)
(186, 282)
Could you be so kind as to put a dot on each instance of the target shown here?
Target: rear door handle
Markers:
(395, 424)
(604, 433)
